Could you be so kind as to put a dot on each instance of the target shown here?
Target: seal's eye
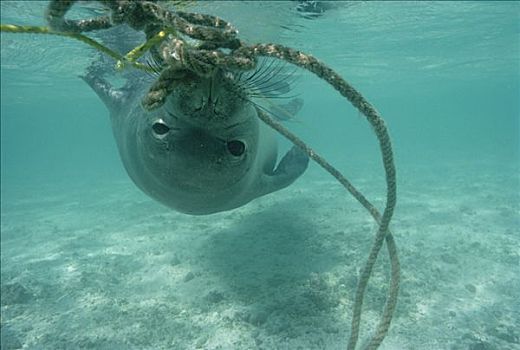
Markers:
(160, 129)
(236, 147)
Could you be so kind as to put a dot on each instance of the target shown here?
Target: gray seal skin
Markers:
(204, 150)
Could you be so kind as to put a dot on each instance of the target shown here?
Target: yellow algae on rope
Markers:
(11, 28)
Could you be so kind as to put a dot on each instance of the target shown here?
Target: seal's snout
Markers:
(212, 103)
(212, 91)
(212, 95)
(201, 100)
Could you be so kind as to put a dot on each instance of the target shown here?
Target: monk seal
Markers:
(203, 151)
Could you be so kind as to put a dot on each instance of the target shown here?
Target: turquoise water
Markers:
(88, 261)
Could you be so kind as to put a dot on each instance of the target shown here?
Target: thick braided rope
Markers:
(321, 70)
(55, 16)
(205, 20)
(391, 302)
(161, 88)
(137, 14)
(175, 54)
(386, 318)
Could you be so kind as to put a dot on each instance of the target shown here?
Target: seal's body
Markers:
(204, 150)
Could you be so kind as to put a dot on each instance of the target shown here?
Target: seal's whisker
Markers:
(278, 82)
(281, 115)
(274, 97)
(274, 91)
(263, 66)
(280, 86)
(154, 65)
(262, 78)
(270, 81)
(268, 73)
(274, 81)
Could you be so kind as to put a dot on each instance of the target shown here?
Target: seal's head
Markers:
(204, 150)
(204, 138)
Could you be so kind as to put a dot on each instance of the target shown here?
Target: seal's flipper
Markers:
(293, 107)
(292, 166)
(111, 97)
(288, 111)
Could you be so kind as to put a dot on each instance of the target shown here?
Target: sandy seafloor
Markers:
(108, 268)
